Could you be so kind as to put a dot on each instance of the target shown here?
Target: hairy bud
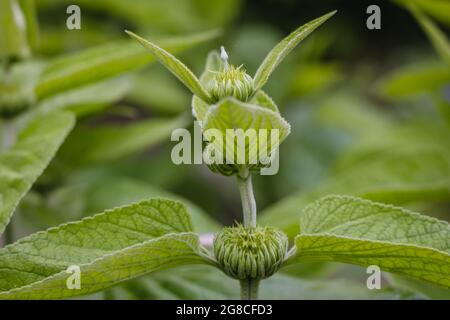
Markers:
(231, 82)
(250, 253)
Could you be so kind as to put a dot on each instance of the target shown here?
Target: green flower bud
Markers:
(250, 253)
(231, 82)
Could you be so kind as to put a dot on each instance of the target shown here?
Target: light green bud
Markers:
(231, 82)
(250, 253)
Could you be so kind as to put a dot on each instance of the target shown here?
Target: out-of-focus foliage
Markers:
(369, 114)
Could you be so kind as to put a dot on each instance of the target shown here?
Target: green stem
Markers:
(248, 199)
(249, 289)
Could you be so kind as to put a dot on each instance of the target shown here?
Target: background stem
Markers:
(248, 199)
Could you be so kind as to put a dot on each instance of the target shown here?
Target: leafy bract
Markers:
(183, 73)
(281, 50)
(21, 165)
(109, 247)
(102, 62)
(230, 114)
(357, 231)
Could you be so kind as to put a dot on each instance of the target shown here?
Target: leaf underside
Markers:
(351, 230)
(110, 247)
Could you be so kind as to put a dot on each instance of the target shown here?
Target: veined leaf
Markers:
(26, 160)
(112, 142)
(281, 50)
(205, 283)
(230, 114)
(104, 61)
(357, 231)
(437, 37)
(395, 177)
(109, 247)
(183, 73)
(260, 98)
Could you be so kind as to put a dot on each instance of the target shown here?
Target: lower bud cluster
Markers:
(250, 253)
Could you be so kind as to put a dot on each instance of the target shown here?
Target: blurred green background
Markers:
(369, 109)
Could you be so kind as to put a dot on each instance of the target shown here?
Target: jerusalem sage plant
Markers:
(156, 234)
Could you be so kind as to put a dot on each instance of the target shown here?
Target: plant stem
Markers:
(248, 199)
(249, 289)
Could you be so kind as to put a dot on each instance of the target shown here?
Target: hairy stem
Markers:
(249, 289)
(247, 197)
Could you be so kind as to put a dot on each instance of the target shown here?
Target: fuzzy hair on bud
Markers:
(250, 253)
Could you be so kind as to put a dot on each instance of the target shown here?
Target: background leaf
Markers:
(26, 160)
(104, 61)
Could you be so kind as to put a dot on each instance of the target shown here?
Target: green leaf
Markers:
(26, 160)
(13, 39)
(205, 283)
(106, 143)
(437, 37)
(183, 73)
(282, 49)
(412, 80)
(104, 61)
(438, 9)
(110, 247)
(361, 232)
(231, 114)
(394, 176)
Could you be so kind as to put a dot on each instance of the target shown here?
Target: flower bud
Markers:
(231, 82)
(250, 253)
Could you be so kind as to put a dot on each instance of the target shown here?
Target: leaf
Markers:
(437, 37)
(26, 160)
(361, 232)
(438, 9)
(282, 49)
(412, 80)
(183, 73)
(104, 61)
(395, 177)
(205, 283)
(106, 143)
(231, 114)
(110, 247)
(13, 42)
